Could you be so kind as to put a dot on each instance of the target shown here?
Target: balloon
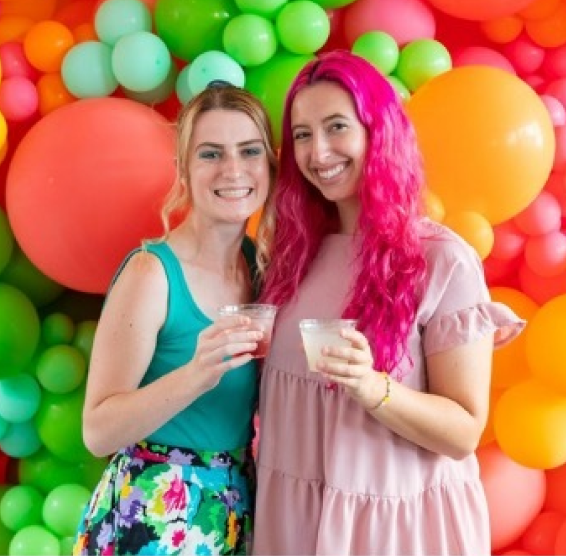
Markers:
(482, 55)
(556, 490)
(264, 8)
(508, 241)
(18, 99)
(36, 540)
(545, 345)
(542, 216)
(20, 506)
(379, 48)
(19, 398)
(530, 424)
(540, 535)
(63, 508)
(115, 19)
(471, 125)
(250, 39)
(60, 369)
(191, 27)
(332, 4)
(84, 336)
(560, 541)
(479, 10)
(510, 361)
(19, 330)
(46, 44)
(6, 241)
(57, 328)
(546, 254)
(158, 94)
(514, 493)
(502, 30)
(474, 228)
(548, 32)
(302, 27)
(52, 93)
(20, 440)
(29, 8)
(540, 288)
(118, 172)
(14, 62)
(211, 66)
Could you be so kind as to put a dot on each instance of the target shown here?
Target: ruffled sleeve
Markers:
(457, 307)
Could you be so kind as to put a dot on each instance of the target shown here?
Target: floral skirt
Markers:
(155, 499)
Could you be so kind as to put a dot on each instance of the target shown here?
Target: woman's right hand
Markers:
(225, 345)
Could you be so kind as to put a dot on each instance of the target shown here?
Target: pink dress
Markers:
(333, 480)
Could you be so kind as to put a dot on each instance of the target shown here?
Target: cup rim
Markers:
(234, 308)
(314, 324)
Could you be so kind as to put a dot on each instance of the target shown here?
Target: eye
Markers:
(338, 126)
(250, 152)
(300, 134)
(209, 154)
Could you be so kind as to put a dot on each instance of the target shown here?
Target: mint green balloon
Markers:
(265, 8)
(22, 274)
(421, 60)
(57, 328)
(182, 89)
(141, 61)
(302, 27)
(378, 48)
(20, 507)
(6, 241)
(214, 65)
(20, 440)
(60, 369)
(87, 70)
(34, 540)
(191, 27)
(158, 94)
(63, 508)
(117, 18)
(19, 330)
(250, 39)
(19, 398)
(271, 81)
(3, 429)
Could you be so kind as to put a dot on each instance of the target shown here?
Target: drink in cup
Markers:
(317, 333)
(262, 317)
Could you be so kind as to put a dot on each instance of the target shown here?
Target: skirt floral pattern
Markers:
(155, 499)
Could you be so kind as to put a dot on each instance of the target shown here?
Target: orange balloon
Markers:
(34, 9)
(487, 140)
(433, 206)
(510, 361)
(46, 44)
(549, 32)
(539, 9)
(530, 425)
(488, 434)
(479, 10)
(52, 93)
(474, 228)
(84, 32)
(14, 28)
(503, 29)
(546, 345)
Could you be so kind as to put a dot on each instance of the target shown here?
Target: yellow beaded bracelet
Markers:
(387, 396)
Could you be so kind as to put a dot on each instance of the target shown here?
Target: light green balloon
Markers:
(399, 87)
(63, 508)
(265, 8)
(6, 241)
(141, 61)
(19, 398)
(421, 60)
(378, 48)
(3, 429)
(160, 93)
(117, 18)
(57, 328)
(333, 4)
(302, 27)
(182, 89)
(34, 540)
(250, 39)
(20, 440)
(87, 70)
(214, 65)
(21, 506)
(60, 369)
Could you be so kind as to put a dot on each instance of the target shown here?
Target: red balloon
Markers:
(479, 10)
(85, 186)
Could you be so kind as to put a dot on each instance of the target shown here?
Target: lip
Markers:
(233, 193)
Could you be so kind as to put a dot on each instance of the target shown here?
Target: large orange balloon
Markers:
(479, 10)
(85, 186)
(487, 140)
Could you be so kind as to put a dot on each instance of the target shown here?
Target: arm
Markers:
(117, 412)
(448, 419)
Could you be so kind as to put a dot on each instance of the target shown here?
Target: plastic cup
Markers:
(317, 333)
(262, 317)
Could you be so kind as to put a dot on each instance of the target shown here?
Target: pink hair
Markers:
(388, 285)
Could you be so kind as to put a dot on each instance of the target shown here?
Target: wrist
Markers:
(385, 394)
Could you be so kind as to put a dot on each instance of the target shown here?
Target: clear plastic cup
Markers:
(262, 317)
(317, 333)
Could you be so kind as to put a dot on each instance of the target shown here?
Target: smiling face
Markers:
(329, 141)
(228, 166)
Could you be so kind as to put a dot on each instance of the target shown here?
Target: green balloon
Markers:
(60, 369)
(302, 27)
(271, 81)
(57, 328)
(22, 274)
(6, 241)
(5, 538)
(265, 8)
(19, 330)
(19, 398)
(182, 89)
(158, 94)
(191, 27)
(421, 60)
(212, 65)
(84, 337)
(117, 18)
(87, 70)
(20, 440)
(67, 544)
(378, 48)
(3, 430)
(21, 506)
(332, 4)
(399, 86)
(34, 540)
(250, 39)
(63, 508)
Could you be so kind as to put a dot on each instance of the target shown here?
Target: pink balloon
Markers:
(509, 241)
(19, 99)
(482, 55)
(546, 255)
(559, 163)
(404, 20)
(556, 184)
(554, 64)
(14, 62)
(557, 89)
(542, 216)
(556, 110)
(524, 54)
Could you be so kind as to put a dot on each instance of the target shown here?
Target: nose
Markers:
(320, 147)
(232, 166)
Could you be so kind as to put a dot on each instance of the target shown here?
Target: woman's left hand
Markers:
(353, 368)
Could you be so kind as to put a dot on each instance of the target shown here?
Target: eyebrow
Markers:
(326, 119)
(210, 144)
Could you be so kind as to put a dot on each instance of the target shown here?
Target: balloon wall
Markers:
(88, 93)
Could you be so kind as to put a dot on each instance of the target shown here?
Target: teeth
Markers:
(327, 174)
(233, 193)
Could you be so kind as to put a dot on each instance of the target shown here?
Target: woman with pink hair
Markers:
(374, 453)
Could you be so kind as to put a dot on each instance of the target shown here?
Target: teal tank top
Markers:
(222, 418)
